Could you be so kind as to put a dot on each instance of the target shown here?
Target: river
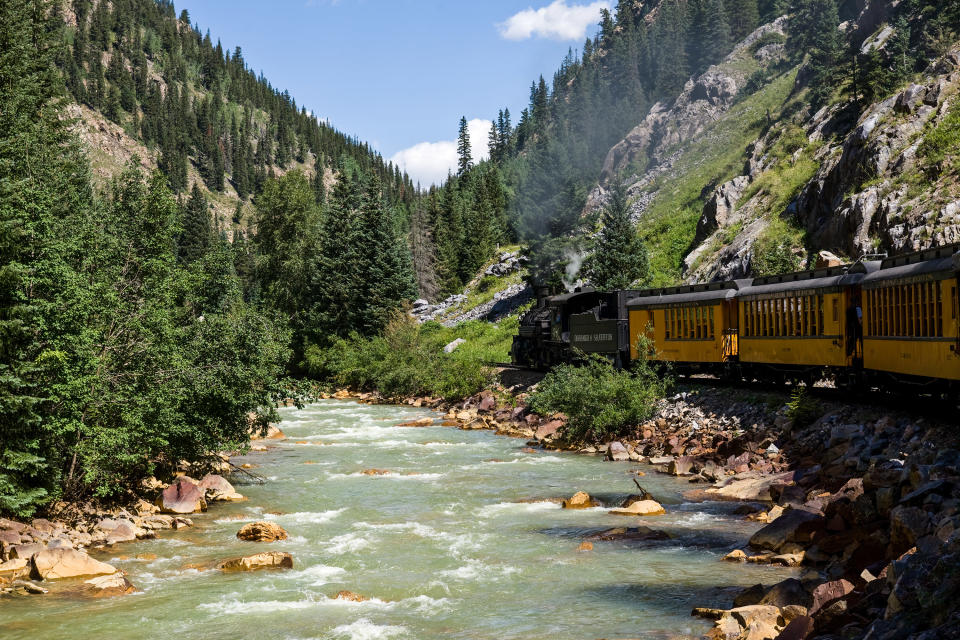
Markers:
(458, 541)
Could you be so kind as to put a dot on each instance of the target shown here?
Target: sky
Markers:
(399, 74)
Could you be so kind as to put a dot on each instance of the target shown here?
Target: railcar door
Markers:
(731, 329)
(853, 329)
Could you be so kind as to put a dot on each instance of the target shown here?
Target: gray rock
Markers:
(617, 452)
(451, 347)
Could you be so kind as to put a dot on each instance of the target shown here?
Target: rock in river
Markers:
(629, 533)
(640, 508)
(115, 584)
(267, 560)
(262, 532)
(183, 496)
(579, 500)
(53, 564)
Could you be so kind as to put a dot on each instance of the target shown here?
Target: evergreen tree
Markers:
(464, 158)
(197, 235)
(744, 17)
(619, 258)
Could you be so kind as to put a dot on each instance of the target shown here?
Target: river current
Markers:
(459, 540)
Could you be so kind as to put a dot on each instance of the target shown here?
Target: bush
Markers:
(773, 252)
(407, 360)
(802, 409)
(599, 401)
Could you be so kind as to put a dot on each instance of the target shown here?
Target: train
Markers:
(870, 324)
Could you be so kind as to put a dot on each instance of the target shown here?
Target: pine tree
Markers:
(744, 17)
(197, 235)
(464, 158)
(619, 259)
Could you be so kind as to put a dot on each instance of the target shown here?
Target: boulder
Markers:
(640, 508)
(827, 259)
(12, 569)
(266, 560)
(451, 347)
(262, 532)
(548, 429)
(799, 628)
(735, 556)
(681, 466)
(182, 496)
(419, 422)
(585, 546)
(121, 530)
(617, 452)
(54, 564)
(25, 551)
(115, 584)
(350, 596)
(829, 592)
(907, 525)
(795, 525)
(787, 593)
(759, 622)
(628, 533)
(579, 500)
(749, 596)
(748, 486)
(217, 488)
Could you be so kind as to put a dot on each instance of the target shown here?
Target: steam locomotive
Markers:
(869, 324)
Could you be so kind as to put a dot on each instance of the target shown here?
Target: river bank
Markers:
(863, 498)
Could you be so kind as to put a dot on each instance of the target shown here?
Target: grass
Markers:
(669, 224)
(773, 251)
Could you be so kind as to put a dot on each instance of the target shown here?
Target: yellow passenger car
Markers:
(802, 325)
(910, 317)
(694, 326)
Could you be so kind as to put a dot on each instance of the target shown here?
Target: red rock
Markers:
(487, 402)
(829, 592)
(549, 429)
(182, 497)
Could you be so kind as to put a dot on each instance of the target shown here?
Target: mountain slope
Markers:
(745, 173)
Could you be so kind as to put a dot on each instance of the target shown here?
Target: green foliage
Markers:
(599, 401)
(802, 408)
(406, 360)
(116, 360)
(940, 149)
(774, 251)
(619, 258)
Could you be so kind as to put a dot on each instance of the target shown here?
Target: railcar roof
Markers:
(944, 267)
(690, 293)
(824, 278)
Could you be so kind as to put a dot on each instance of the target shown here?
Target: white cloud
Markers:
(557, 21)
(430, 162)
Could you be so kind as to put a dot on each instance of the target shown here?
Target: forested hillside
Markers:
(726, 119)
(139, 329)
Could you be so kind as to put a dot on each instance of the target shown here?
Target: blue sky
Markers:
(400, 73)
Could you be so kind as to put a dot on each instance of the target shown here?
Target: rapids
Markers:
(459, 540)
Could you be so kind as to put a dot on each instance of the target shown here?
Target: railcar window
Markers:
(908, 310)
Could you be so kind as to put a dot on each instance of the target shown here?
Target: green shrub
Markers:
(939, 149)
(599, 401)
(773, 252)
(802, 409)
(407, 360)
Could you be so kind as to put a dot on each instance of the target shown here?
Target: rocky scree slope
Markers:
(739, 165)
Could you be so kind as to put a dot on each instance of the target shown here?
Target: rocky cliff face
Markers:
(847, 179)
